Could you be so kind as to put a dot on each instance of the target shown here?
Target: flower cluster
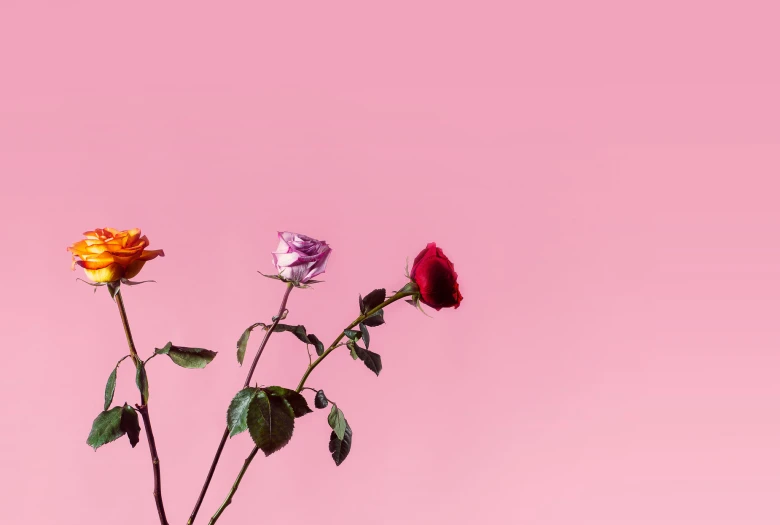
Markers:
(111, 257)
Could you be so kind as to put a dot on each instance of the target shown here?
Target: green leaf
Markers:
(296, 401)
(106, 428)
(242, 342)
(352, 334)
(337, 421)
(318, 346)
(129, 424)
(111, 385)
(142, 382)
(364, 332)
(372, 360)
(298, 330)
(110, 388)
(320, 401)
(339, 448)
(237, 411)
(376, 319)
(271, 422)
(187, 357)
(352, 345)
(372, 300)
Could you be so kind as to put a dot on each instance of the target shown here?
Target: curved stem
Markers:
(226, 433)
(144, 410)
(311, 367)
(335, 344)
(233, 489)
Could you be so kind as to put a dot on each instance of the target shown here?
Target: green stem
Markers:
(309, 370)
(144, 410)
(226, 433)
(234, 488)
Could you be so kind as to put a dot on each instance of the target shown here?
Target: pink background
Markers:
(603, 174)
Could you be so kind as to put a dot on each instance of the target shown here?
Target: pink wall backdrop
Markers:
(603, 174)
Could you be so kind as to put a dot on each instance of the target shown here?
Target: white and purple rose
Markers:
(299, 258)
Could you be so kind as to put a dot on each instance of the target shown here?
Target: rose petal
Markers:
(283, 246)
(148, 255)
(95, 262)
(430, 247)
(319, 266)
(112, 272)
(134, 268)
(78, 248)
(285, 259)
(131, 237)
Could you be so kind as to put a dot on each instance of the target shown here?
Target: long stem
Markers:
(225, 434)
(144, 410)
(309, 369)
(233, 489)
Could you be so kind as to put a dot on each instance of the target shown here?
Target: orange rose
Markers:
(109, 255)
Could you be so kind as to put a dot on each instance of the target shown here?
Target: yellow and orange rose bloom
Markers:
(109, 255)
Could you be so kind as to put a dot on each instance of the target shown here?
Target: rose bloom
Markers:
(435, 275)
(109, 255)
(299, 258)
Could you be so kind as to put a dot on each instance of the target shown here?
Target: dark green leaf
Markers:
(187, 357)
(296, 401)
(376, 319)
(142, 382)
(111, 385)
(106, 428)
(362, 306)
(339, 448)
(110, 388)
(298, 330)
(129, 424)
(271, 422)
(336, 421)
(372, 360)
(237, 411)
(352, 334)
(242, 342)
(320, 401)
(318, 346)
(364, 332)
(352, 345)
(372, 300)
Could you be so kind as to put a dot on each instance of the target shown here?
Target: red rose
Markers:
(435, 275)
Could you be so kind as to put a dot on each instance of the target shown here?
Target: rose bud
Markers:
(435, 276)
(108, 255)
(299, 258)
